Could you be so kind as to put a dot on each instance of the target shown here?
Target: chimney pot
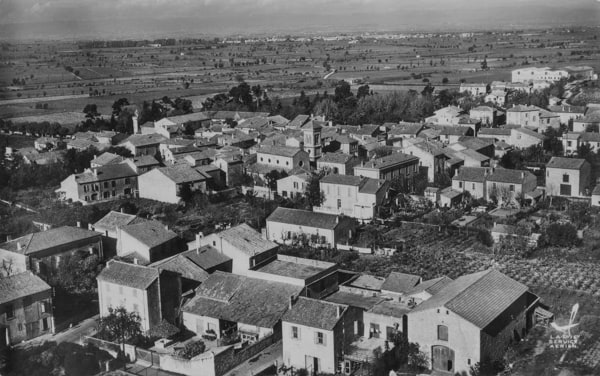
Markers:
(135, 261)
(19, 246)
(79, 224)
(8, 238)
(339, 311)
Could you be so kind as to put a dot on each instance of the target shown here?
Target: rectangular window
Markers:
(460, 184)
(10, 312)
(126, 180)
(45, 325)
(113, 183)
(339, 203)
(105, 184)
(374, 330)
(565, 190)
(565, 178)
(20, 327)
(442, 332)
(320, 338)
(295, 332)
(512, 188)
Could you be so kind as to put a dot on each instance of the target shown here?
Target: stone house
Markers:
(165, 183)
(25, 308)
(570, 177)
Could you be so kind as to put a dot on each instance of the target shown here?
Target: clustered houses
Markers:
(502, 185)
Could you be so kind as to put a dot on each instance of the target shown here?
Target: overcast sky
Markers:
(82, 18)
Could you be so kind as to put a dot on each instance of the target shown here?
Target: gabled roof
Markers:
(522, 108)
(453, 130)
(432, 286)
(313, 124)
(565, 163)
(495, 131)
(504, 175)
(590, 137)
(406, 128)
(55, 237)
(284, 151)
(315, 313)
(479, 298)
(108, 172)
(298, 121)
(529, 132)
(144, 161)
(115, 219)
(342, 179)
(474, 174)
(107, 158)
(181, 173)
(567, 109)
(150, 233)
(335, 158)
(20, 285)
(303, 218)
(182, 119)
(194, 264)
(400, 282)
(241, 299)
(390, 308)
(246, 239)
(138, 140)
(130, 275)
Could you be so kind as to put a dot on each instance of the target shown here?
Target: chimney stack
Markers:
(135, 261)
(79, 224)
(339, 311)
(90, 227)
(291, 302)
(19, 246)
(198, 237)
(8, 238)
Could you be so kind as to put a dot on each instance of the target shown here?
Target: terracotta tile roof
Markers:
(21, 285)
(335, 158)
(150, 233)
(182, 119)
(284, 151)
(314, 313)
(406, 128)
(529, 132)
(342, 179)
(242, 299)
(504, 175)
(144, 161)
(495, 131)
(303, 218)
(298, 121)
(130, 275)
(474, 174)
(138, 140)
(246, 239)
(108, 172)
(479, 298)
(115, 219)
(181, 173)
(367, 281)
(390, 160)
(400, 282)
(183, 266)
(107, 158)
(432, 286)
(522, 108)
(55, 237)
(565, 163)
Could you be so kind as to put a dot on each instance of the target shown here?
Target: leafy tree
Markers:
(76, 274)
(342, 91)
(381, 151)
(90, 110)
(191, 349)
(313, 193)
(185, 193)
(272, 178)
(120, 150)
(363, 91)
(561, 235)
(118, 106)
(76, 161)
(120, 325)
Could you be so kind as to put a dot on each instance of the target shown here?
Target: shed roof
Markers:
(55, 237)
(246, 239)
(150, 233)
(400, 282)
(565, 163)
(304, 218)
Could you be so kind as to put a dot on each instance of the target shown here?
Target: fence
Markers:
(349, 247)
(147, 356)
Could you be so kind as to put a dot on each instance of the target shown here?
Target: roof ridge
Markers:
(483, 274)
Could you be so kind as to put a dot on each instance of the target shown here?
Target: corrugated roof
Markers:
(130, 275)
(21, 285)
(39, 241)
(400, 282)
(303, 218)
(242, 299)
(246, 239)
(315, 313)
(565, 163)
(478, 298)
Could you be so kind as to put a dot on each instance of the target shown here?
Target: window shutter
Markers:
(324, 340)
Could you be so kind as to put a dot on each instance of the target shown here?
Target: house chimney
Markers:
(337, 219)
(167, 227)
(198, 237)
(19, 246)
(8, 238)
(79, 224)
(135, 261)
(291, 303)
(90, 227)
(122, 210)
(339, 311)
(522, 174)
